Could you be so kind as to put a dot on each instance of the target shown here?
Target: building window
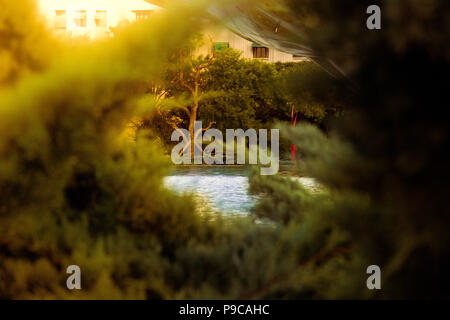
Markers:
(61, 20)
(80, 19)
(298, 57)
(260, 52)
(220, 46)
(101, 19)
(142, 14)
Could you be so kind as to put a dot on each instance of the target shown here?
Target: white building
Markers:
(96, 19)
(223, 38)
(92, 18)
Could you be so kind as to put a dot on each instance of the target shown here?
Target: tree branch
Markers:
(209, 127)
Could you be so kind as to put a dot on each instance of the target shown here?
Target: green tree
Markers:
(188, 79)
(250, 98)
(314, 93)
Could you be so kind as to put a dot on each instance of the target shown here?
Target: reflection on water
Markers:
(226, 188)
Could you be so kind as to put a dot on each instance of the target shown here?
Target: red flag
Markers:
(294, 123)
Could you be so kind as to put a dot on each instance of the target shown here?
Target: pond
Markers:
(224, 187)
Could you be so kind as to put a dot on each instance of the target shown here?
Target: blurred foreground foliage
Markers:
(25, 42)
(73, 190)
(384, 164)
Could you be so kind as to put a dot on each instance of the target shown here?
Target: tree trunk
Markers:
(192, 120)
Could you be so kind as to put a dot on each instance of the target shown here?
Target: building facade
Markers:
(221, 38)
(96, 19)
(92, 18)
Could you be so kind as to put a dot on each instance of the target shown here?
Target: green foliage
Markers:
(250, 97)
(315, 93)
(243, 93)
(74, 191)
(384, 163)
(25, 45)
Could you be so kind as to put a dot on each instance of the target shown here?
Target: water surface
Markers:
(225, 187)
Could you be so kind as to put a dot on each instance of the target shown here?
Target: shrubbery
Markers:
(384, 163)
(74, 191)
